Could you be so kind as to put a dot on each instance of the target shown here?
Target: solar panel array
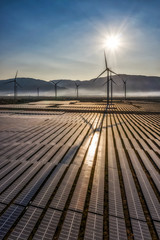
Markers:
(80, 175)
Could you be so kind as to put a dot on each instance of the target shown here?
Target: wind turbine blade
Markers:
(120, 77)
(112, 71)
(105, 60)
(123, 80)
(8, 82)
(16, 75)
(52, 82)
(113, 81)
(18, 85)
(116, 74)
(59, 81)
(100, 75)
(104, 83)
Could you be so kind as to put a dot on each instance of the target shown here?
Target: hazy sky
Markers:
(64, 39)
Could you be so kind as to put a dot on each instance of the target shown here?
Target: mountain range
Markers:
(135, 84)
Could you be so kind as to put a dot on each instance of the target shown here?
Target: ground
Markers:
(79, 170)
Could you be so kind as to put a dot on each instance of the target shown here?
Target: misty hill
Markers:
(27, 85)
(139, 83)
(135, 84)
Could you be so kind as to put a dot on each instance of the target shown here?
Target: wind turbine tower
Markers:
(77, 87)
(107, 78)
(111, 89)
(125, 88)
(15, 85)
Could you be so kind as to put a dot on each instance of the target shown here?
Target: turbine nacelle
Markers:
(55, 83)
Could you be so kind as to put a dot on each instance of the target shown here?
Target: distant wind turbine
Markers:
(15, 85)
(55, 87)
(108, 70)
(125, 88)
(77, 86)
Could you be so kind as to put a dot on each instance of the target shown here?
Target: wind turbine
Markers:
(108, 70)
(125, 88)
(77, 86)
(55, 87)
(15, 85)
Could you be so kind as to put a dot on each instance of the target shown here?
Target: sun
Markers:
(113, 42)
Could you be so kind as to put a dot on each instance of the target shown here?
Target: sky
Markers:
(66, 39)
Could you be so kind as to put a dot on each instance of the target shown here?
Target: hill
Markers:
(135, 84)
